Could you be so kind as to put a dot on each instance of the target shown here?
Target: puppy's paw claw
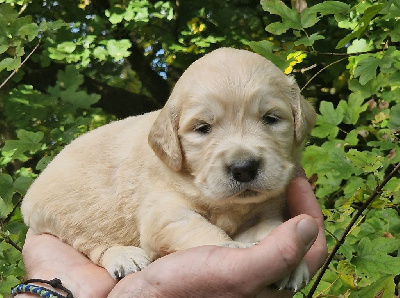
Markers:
(297, 279)
(123, 260)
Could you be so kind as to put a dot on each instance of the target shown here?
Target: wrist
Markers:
(43, 288)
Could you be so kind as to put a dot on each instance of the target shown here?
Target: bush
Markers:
(67, 67)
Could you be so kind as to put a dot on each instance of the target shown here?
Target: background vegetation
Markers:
(69, 66)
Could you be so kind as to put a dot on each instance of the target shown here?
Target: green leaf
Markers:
(309, 40)
(367, 161)
(373, 257)
(67, 47)
(352, 185)
(352, 138)
(10, 63)
(9, 282)
(6, 186)
(21, 184)
(347, 273)
(277, 28)
(328, 121)
(30, 30)
(79, 99)
(8, 13)
(366, 69)
(19, 23)
(100, 53)
(70, 78)
(363, 25)
(27, 141)
(358, 46)
(308, 18)
(6, 193)
(3, 48)
(269, 50)
(118, 49)
(382, 288)
(330, 163)
(329, 114)
(29, 136)
(330, 7)
(43, 163)
(290, 17)
(5, 208)
(394, 121)
(353, 108)
(116, 18)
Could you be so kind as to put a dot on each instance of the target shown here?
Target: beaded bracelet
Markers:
(25, 287)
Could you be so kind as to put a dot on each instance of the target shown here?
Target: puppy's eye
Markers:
(202, 128)
(270, 119)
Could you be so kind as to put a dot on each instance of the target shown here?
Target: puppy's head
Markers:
(236, 123)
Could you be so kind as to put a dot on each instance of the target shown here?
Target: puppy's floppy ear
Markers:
(163, 137)
(303, 113)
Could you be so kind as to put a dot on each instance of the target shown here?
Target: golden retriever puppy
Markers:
(210, 168)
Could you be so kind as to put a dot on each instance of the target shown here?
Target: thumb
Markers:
(281, 251)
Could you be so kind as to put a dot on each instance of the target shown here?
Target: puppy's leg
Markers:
(173, 226)
(119, 260)
(297, 279)
(123, 260)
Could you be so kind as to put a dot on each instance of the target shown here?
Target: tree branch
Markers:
(321, 70)
(22, 63)
(348, 229)
(12, 243)
(351, 54)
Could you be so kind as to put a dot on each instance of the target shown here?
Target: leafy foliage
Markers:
(355, 143)
(67, 67)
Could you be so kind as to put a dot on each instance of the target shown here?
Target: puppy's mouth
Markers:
(248, 193)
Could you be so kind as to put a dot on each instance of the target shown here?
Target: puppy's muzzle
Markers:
(244, 171)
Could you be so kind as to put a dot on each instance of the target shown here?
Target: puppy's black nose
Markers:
(245, 171)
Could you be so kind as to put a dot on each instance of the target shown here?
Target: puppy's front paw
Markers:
(297, 279)
(123, 260)
(237, 244)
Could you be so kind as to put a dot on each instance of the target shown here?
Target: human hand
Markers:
(211, 271)
(301, 200)
(46, 257)
(207, 271)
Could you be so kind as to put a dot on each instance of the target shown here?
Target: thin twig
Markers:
(348, 229)
(12, 243)
(349, 54)
(332, 235)
(321, 70)
(23, 8)
(346, 55)
(22, 63)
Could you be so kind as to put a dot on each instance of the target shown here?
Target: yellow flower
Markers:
(196, 26)
(298, 58)
(84, 3)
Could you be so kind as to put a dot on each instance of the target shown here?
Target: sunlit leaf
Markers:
(373, 257)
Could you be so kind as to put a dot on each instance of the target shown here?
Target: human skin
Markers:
(206, 271)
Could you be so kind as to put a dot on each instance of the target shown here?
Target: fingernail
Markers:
(308, 231)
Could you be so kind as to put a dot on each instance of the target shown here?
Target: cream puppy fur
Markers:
(210, 168)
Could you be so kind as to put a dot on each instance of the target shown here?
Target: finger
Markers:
(280, 252)
(301, 200)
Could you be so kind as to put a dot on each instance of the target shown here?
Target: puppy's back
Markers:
(83, 192)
